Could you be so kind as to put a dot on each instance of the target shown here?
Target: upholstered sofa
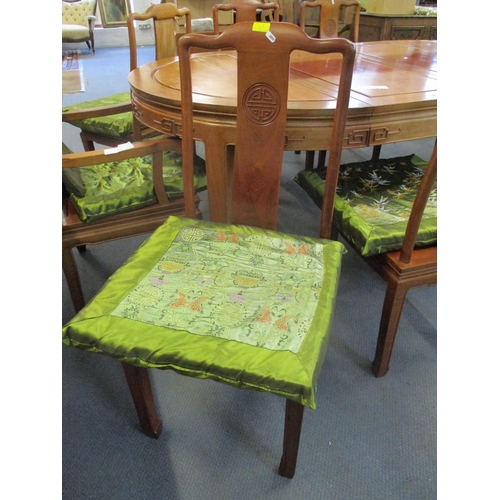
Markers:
(78, 21)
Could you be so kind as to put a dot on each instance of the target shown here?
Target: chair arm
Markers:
(141, 148)
(152, 147)
(83, 114)
(91, 20)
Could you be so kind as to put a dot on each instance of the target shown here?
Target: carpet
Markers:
(72, 74)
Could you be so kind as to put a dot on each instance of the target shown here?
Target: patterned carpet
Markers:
(368, 439)
(72, 74)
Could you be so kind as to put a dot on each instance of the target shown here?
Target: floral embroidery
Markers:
(249, 288)
(384, 194)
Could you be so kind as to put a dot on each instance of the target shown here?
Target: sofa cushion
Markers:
(74, 32)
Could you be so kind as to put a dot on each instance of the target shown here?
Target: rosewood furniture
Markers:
(373, 27)
(329, 19)
(138, 219)
(238, 303)
(393, 99)
(109, 121)
(404, 269)
(245, 10)
(387, 211)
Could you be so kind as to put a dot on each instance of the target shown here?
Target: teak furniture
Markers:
(393, 99)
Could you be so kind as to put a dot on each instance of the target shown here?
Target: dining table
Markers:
(393, 99)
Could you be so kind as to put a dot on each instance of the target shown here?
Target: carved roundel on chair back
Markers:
(330, 28)
(261, 104)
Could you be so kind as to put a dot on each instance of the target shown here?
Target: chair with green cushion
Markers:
(111, 196)
(330, 13)
(386, 210)
(109, 120)
(78, 21)
(236, 301)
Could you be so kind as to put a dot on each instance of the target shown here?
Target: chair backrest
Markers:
(329, 16)
(244, 10)
(77, 12)
(417, 211)
(166, 18)
(263, 59)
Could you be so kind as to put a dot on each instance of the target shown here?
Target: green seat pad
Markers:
(235, 304)
(115, 126)
(115, 187)
(374, 201)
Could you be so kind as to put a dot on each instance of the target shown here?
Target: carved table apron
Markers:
(393, 99)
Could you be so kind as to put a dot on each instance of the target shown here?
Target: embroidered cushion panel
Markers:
(115, 187)
(237, 304)
(374, 200)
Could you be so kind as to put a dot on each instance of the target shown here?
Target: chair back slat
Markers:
(263, 76)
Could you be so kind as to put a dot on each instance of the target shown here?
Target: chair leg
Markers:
(321, 159)
(389, 322)
(142, 394)
(376, 152)
(293, 425)
(310, 160)
(73, 279)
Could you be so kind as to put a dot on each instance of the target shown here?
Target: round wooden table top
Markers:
(386, 73)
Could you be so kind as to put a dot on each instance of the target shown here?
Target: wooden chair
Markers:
(388, 214)
(236, 302)
(78, 22)
(110, 121)
(330, 13)
(244, 10)
(138, 206)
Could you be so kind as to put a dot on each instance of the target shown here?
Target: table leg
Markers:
(219, 156)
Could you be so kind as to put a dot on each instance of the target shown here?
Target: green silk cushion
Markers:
(374, 200)
(244, 306)
(71, 177)
(111, 188)
(114, 126)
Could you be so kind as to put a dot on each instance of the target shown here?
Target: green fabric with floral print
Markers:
(115, 187)
(114, 126)
(236, 304)
(374, 201)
